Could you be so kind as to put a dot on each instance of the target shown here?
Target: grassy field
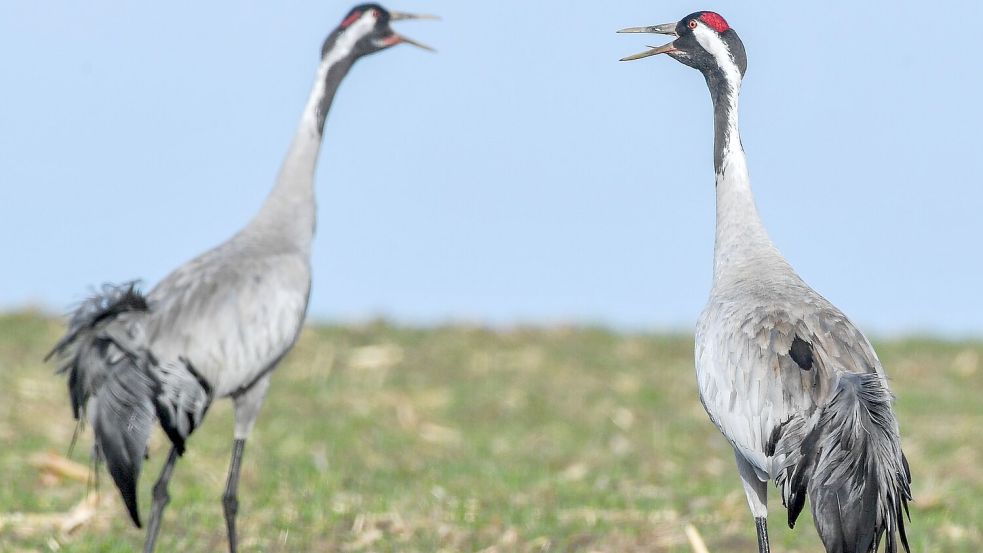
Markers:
(380, 438)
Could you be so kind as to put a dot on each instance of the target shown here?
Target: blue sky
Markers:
(521, 174)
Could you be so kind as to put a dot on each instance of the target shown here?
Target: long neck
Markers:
(288, 214)
(741, 239)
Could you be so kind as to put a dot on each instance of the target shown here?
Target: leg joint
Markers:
(230, 503)
(161, 494)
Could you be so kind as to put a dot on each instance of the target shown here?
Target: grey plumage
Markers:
(821, 425)
(218, 325)
(851, 465)
(791, 383)
(117, 383)
(86, 342)
(182, 398)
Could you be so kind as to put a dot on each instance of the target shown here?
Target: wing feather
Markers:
(231, 321)
(800, 393)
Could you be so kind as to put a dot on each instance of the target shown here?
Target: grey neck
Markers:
(288, 216)
(742, 244)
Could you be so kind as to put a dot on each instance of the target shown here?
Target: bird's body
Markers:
(791, 383)
(233, 312)
(217, 326)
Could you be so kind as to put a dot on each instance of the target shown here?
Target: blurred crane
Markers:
(218, 325)
(789, 380)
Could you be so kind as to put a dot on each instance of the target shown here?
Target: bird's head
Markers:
(365, 30)
(704, 41)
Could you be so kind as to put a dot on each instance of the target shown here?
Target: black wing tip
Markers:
(904, 536)
(171, 430)
(125, 475)
(796, 503)
(801, 353)
(134, 513)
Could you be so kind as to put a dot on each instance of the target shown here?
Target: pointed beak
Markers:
(397, 38)
(400, 16)
(664, 29)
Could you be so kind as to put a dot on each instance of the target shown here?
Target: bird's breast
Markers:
(233, 325)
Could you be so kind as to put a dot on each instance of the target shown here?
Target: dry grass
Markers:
(463, 439)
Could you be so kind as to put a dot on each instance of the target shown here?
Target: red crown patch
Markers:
(715, 22)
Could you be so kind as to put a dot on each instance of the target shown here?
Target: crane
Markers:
(792, 384)
(217, 326)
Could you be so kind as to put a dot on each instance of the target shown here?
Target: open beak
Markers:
(665, 29)
(400, 16)
(397, 38)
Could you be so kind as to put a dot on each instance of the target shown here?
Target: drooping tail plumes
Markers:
(109, 381)
(115, 382)
(848, 459)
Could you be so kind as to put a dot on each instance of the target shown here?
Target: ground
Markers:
(385, 438)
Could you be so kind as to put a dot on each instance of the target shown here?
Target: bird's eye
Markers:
(691, 24)
(375, 13)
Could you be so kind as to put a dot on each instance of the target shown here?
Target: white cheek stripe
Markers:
(342, 47)
(732, 166)
(348, 38)
(711, 42)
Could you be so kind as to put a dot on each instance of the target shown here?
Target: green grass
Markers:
(381, 438)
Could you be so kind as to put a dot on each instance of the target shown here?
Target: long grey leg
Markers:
(761, 525)
(161, 499)
(247, 406)
(230, 500)
(756, 491)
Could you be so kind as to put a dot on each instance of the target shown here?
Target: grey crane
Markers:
(218, 325)
(791, 383)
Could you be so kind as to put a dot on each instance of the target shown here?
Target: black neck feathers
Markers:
(340, 64)
(724, 95)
